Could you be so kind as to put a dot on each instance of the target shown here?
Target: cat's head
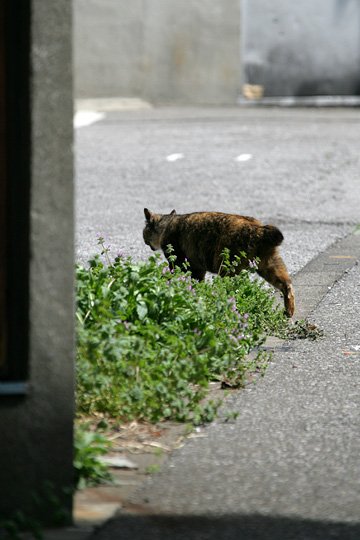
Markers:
(155, 225)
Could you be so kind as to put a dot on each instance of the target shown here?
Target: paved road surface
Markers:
(303, 173)
(289, 467)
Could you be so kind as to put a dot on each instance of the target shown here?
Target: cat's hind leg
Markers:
(274, 271)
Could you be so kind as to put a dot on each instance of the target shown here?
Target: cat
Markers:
(201, 237)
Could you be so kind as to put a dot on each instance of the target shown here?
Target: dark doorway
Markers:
(14, 193)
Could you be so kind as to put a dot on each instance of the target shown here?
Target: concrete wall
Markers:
(36, 430)
(183, 51)
(302, 48)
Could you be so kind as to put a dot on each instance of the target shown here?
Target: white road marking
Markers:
(244, 157)
(86, 118)
(174, 157)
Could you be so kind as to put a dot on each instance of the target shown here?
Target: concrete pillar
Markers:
(36, 428)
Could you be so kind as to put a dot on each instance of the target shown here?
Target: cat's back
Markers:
(214, 222)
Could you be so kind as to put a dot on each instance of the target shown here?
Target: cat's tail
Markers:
(271, 237)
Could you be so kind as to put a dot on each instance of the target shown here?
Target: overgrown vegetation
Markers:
(150, 338)
(89, 447)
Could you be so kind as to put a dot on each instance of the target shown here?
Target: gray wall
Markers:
(184, 51)
(302, 48)
(36, 430)
(202, 51)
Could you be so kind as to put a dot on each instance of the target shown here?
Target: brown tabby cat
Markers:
(201, 237)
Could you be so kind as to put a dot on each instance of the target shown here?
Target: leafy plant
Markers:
(48, 509)
(89, 446)
(150, 338)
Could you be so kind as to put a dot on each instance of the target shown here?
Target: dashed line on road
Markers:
(174, 157)
(243, 157)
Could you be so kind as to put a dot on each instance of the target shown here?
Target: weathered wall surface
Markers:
(202, 51)
(36, 429)
(108, 47)
(183, 51)
(302, 48)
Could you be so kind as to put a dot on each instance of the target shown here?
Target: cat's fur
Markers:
(201, 237)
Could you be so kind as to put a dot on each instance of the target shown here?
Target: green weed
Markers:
(150, 338)
(89, 446)
(152, 469)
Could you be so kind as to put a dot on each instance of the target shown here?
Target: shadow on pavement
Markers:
(160, 527)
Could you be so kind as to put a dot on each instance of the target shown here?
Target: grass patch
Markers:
(150, 339)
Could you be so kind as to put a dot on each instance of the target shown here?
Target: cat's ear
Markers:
(173, 212)
(148, 215)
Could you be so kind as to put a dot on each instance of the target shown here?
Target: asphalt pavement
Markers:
(288, 467)
(301, 173)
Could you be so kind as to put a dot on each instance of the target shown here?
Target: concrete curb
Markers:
(316, 278)
(321, 273)
(305, 101)
(111, 104)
